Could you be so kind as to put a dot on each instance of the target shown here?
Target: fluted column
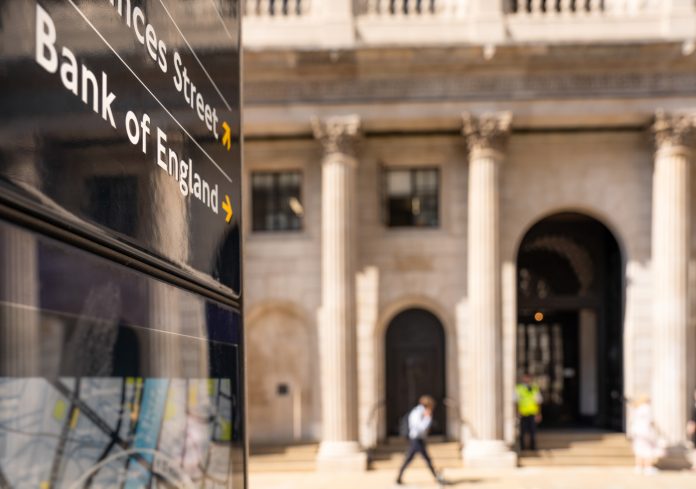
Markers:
(486, 138)
(670, 249)
(337, 335)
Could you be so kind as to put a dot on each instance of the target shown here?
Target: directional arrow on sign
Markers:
(227, 136)
(227, 207)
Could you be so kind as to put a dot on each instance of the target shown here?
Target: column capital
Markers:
(487, 132)
(337, 134)
(674, 130)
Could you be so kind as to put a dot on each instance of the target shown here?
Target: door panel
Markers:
(415, 358)
(548, 350)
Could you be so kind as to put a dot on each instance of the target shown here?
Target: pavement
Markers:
(521, 478)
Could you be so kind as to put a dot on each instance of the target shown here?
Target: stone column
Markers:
(670, 249)
(337, 336)
(486, 137)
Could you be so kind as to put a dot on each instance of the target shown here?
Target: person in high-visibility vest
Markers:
(528, 400)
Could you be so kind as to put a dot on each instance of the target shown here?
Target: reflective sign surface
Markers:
(122, 118)
(109, 378)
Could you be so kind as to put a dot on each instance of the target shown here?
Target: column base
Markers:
(341, 456)
(488, 454)
(675, 458)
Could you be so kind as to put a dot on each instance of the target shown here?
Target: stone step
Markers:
(582, 448)
(432, 448)
(390, 456)
(289, 450)
(282, 466)
(283, 458)
(588, 461)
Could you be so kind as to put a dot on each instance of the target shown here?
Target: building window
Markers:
(276, 201)
(411, 197)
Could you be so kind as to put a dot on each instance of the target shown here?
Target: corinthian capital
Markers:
(674, 130)
(337, 134)
(488, 132)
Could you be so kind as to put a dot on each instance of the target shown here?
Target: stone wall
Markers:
(604, 174)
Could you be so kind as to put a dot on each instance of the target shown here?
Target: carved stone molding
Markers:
(488, 132)
(337, 134)
(674, 130)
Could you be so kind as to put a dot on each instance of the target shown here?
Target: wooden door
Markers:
(415, 357)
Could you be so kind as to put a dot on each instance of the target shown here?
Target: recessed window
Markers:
(276, 201)
(411, 197)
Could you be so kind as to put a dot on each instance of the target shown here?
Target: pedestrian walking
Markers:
(528, 401)
(644, 436)
(691, 430)
(419, 420)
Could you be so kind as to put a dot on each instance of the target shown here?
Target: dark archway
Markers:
(415, 357)
(570, 320)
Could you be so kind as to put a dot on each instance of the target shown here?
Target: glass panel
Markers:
(110, 377)
(412, 198)
(277, 204)
(262, 200)
(398, 183)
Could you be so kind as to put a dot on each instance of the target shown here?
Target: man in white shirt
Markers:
(419, 420)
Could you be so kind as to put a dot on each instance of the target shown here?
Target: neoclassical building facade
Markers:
(441, 196)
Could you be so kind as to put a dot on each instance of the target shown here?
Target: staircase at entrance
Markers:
(556, 448)
(579, 448)
(389, 455)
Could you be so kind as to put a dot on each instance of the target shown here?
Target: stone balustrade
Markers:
(412, 9)
(348, 24)
(276, 9)
(553, 8)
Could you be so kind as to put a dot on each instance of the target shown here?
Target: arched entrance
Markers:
(570, 316)
(415, 357)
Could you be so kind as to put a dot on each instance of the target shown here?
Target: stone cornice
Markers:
(674, 130)
(462, 74)
(487, 132)
(337, 134)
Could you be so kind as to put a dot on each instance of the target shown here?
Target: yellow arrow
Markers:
(227, 137)
(227, 207)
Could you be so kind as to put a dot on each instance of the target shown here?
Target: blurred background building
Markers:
(443, 194)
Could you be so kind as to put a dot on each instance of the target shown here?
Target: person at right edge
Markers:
(691, 430)
(419, 420)
(528, 399)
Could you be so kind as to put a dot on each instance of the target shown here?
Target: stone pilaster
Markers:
(339, 448)
(486, 137)
(19, 318)
(674, 138)
(20, 328)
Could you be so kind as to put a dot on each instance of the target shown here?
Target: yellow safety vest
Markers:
(527, 404)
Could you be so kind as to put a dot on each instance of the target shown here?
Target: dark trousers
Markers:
(528, 427)
(417, 446)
